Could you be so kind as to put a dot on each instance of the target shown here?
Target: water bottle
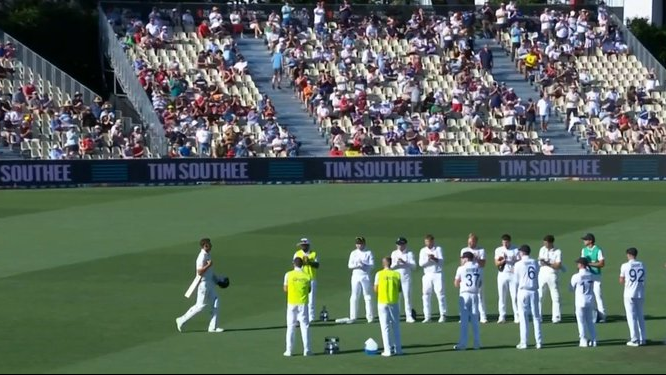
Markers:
(323, 316)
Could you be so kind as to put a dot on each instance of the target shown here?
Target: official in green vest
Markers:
(310, 266)
(595, 256)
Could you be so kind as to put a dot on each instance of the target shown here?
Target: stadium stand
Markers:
(376, 87)
(201, 87)
(609, 101)
(46, 114)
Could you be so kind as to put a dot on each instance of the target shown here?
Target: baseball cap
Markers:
(303, 241)
(582, 260)
(360, 240)
(588, 237)
(401, 241)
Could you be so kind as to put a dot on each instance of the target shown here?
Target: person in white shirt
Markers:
(431, 259)
(582, 285)
(632, 275)
(402, 260)
(480, 259)
(361, 263)
(505, 258)
(469, 278)
(543, 109)
(527, 274)
(205, 291)
(550, 260)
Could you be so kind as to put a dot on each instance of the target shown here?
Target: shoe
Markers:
(410, 320)
(458, 347)
(633, 343)
(583, 343)
(442, 319)
(216, 330)
(426, 320)
(386, 354)
(538, 346)
(516, 321)
(557, 321)
(592, 343)
(286, 354)
(307, 353)
(484, 320)
(501, 321)
(477, 347)
(179, 324)
(521, 346)
(370, 320)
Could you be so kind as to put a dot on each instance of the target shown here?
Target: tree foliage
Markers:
(651, 36)
(65, 33)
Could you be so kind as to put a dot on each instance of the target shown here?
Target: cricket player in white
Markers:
(527, 277)
(402, 260)
(361, 263)
(431, 259)
(582, 283)
(469, 278)
(550, 260)
(505, 258)
(632, 275)
(480, 259)
(205, 291)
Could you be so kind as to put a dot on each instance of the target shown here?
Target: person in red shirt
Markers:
(137, 150)
(203, 31)
(335, 152)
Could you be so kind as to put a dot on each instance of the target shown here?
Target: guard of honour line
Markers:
(520, 276)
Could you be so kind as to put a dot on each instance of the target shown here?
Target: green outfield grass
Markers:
(92, 279)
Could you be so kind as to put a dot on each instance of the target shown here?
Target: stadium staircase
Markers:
(289, 109)
(505, 71)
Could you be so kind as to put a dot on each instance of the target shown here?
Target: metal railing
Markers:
(40, 67)
(127, 78)
(637, 49)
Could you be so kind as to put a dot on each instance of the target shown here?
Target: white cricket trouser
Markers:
(635, 319)
(482, 306)
(597, 294)
(549, 279)
(433, 281)
(389, 322)
(298, 314)
(312, 300)
(468, 305)
(205, 295)
(406, 294)
(361, 283)
(585, 320)
(506, 280)
(528, 304)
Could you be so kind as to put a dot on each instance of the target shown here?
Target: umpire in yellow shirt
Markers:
(297, 286)
(310, 266)
(387, 287)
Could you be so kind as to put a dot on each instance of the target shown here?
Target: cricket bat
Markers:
(193, 286)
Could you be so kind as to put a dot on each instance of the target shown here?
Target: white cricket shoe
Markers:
(426, 320)
(538, 346)
(459, 347)
(521, 346)
(286, 354)
(216, 330)
(583, 343)
(442, 319)
(410, 320)
(179, 324)
(386, 354)
(633, 343)
(307, 353)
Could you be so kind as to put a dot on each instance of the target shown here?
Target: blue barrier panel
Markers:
(25, 173)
